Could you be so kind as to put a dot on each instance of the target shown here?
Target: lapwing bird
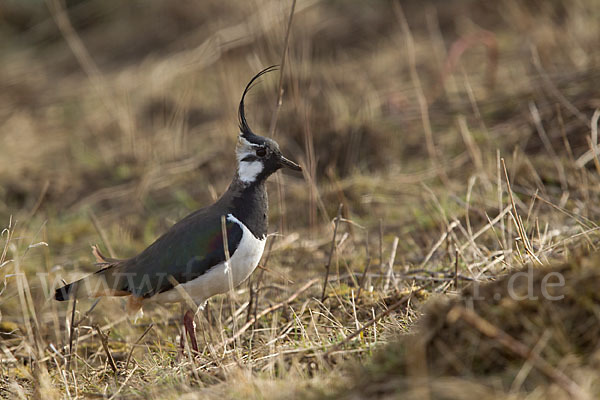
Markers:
(189, 260)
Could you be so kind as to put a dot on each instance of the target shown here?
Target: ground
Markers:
(446, 146)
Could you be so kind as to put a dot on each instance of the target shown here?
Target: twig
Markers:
(528, 365)
(40, 199)
(582, 220)
(254, 299)
(124, 383)
(281, 275)
(368, 264)
(456, 269)
(485, 228)
(381, 244)
(229, 272)
(10, 230)
(87, 336)
(591, 154)
(136, 342)
(488, 329)
(437, 244)
(72, 330)
(88, 312)
(539, 126)
(102, 234)
(253, 293)
(85, 60)
(594, 138)
(563, 132)
(331, 250)
(104, 341)
(470, 143)
(269, 310)
(517, 219)
(594, 154)
(423, 106)
(377, 318)
(275, 116)
(553, 90)
(390, 272)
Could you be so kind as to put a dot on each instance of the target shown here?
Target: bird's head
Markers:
(257, 156)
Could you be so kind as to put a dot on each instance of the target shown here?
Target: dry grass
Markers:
(457, 136)
(517, 335)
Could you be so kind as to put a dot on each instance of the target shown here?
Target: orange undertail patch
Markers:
(99, 256)
(134, 304)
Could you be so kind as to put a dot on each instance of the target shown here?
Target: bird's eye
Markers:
(261, 152)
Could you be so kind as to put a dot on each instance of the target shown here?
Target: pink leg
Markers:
(190, 328)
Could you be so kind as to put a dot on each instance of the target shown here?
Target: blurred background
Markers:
(129, 109)
(119, 118)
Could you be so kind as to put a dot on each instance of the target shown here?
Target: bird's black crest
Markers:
(245, 130)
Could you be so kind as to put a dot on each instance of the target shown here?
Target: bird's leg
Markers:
(190, 328)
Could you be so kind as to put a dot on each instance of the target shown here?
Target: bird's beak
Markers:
(284, 162)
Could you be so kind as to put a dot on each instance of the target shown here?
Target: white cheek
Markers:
(249, 170)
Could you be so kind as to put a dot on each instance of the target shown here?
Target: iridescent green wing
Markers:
(189, 249)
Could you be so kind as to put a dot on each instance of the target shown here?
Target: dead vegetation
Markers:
(535, 331)
(459, 138)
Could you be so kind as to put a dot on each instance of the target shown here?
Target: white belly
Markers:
(216, 281)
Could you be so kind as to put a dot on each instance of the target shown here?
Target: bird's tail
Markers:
(97, 284)
(67, 292)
